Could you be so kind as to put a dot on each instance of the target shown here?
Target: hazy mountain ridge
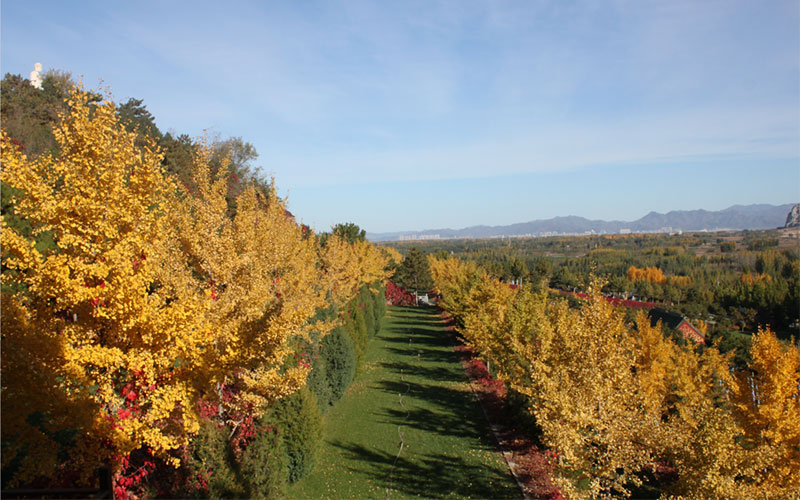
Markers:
(759, 216)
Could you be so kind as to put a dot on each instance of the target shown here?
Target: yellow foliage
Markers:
(753, 278)
(655, 362)
(588, 400)
(99, 314)
(699, 434)
(454, 279)
(651, 274)
(614, 399)
(258, 272)
(489, 303)
(766, 405)
(346, 266)
(373, 262)
(656, 275)
(395, 257)
(153, 299)
(682, 281)
(576, 368)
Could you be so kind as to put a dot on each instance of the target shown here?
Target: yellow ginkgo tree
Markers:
(766, 405)
(152, 300)
(259, 271)
(104, 336)
(617, 401)
(348, 265)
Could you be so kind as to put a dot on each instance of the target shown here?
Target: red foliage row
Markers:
(616, 301)
(397, 296)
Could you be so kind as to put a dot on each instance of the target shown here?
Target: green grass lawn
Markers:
(448, 451)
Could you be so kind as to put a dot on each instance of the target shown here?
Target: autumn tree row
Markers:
(152, 299)
(620, 404)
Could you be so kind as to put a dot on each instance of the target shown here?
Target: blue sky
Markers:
(413, 115)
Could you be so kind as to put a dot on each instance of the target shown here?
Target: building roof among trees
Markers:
(676, 322)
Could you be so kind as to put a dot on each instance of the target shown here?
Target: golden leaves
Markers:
(346, 266)
(92, 296)
(651, 274)
(767, 406)
(614, 399)
(152, 298)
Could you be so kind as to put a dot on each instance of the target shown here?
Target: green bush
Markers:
(337, 354)
(357, 328)
(299, 420)
(373, 297)
(263, 465)
(379, 305)
(317, 381)
(762, 243)
(366, 303)
(210, 466)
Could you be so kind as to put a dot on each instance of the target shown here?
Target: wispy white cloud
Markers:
(362, 91)
(693, 136)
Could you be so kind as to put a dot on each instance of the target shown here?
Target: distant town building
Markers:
(418, 237)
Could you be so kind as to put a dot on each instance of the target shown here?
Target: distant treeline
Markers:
(733, 281)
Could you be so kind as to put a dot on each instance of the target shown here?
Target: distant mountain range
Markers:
(737, 217)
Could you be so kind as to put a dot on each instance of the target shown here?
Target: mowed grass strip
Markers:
(448, 451)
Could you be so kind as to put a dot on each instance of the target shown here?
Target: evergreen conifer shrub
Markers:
(210, 466)
(366, 304)
(263, 466)
(339, 359)
(379, 305)
(300, 422)
(357, 328)
(317, 381)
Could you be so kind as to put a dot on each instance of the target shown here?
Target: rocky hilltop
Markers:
(793, 219)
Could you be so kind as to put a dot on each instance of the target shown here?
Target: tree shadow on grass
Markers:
(415, 338)
(440, 424)
(432, 475)
(431, 337)
(425, 355)
(400, 321)
(416, 311)
(428, 345)
(436, 409)
(404, 321)
(444, 374)
(451, 399)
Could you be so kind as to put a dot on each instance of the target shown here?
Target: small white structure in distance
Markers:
(36, 76)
